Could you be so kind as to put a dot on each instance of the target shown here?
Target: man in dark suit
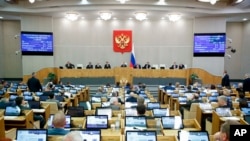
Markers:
(246, 83)
(174, 66)
(137, 66)
(181, 66)
(98, 66)
(225, 82)
(34, 84)
(124, 65)
(69, 65)
(107, 65)
(147, 66)
(89, 66)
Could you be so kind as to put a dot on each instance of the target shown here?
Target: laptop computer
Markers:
(96, 99)
(213, 99)
(104, 111)
(246, 111)
(172, 122)
(89, 135)
(31, 134)
(153, 105)
(130, 112)
(160, 112)
(223, 112)
(34, 104)
(67, 125)
(182, 99)
(184, 135)
(75, 111)
(28, 97)
(136, 121)
(12, 111)
(141, 136)
(97, 122)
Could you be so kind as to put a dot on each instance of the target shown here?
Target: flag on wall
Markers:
(132, 58)
(122, 41)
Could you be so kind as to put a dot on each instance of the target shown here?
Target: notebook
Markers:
(182, 99)
(12, 111)
(136, 121)
(104, 111)
(34, 104)
(184, 135)
(160, 112)
(89, 135)
(223, 112)
(75, 111)
(246, 111)
(73, 91)
(31, 134)
(172, 122)
(153, 105)
(130, 112)
(96, 99)
(141, 136)
(67, 125)
(97, 122)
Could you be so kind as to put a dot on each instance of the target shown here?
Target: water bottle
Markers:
(158, 126)
(117, 124)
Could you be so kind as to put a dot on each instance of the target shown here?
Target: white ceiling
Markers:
(89, 9)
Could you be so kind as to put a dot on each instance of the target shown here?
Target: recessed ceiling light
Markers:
(244, 19)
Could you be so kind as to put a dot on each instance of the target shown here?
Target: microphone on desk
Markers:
(34, 126)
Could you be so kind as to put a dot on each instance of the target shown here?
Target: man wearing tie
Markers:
(147, 66)
(174, 66)
(89, 66)
(107, 65)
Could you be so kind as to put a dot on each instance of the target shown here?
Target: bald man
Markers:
(59, 121)
(73, 136)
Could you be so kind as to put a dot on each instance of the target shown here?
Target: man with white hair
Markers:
(73, 136)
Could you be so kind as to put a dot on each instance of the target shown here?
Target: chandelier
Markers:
(141, 16)
(72, 16)
(105, 15)
(174, 17)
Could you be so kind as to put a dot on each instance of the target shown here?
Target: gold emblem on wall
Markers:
(122, 41)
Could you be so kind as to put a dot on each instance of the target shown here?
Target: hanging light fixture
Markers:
(173, 17)
(105, 15)
(72, 15)
(141, 16)
(31, 1)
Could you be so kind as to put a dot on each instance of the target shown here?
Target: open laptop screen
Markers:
(67, 125)
(75, 111)
(89, 135)
(160, 112)
(104, 111)
(135, 121)
(247, 118)
(31, 134)
(97, 122)
(34, 104)
(172, 122)
(182, 99)
(193, 135)
(28, 97)
(153, 105)
(12, 111)
(141, 136)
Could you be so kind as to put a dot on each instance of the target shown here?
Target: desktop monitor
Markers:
(89, 135)
(67, 125)
(153, 105)
(184, 135)
(104, 111)
(97, 122)
(75, 111)
(27, 93)
(31, 134)
(135, 121)
(141, 136)
(161, 112)
(172, 122)
(223, 112)
(34, 104)
(12, 111)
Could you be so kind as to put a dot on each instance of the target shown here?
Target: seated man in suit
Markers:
(181, 66)
(114, 104)
(147, 66)
(174, 66)
(24, 106)
(69, 65)
(98, 66)
(89, 66)
(107, 65)
(59, 121)
(137, 66)
(124, 64)
(52, 99)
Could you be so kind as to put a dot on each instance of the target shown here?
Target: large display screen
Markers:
(209, 44)
(36, 43)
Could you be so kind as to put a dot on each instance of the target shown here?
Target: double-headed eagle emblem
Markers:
(122, 41)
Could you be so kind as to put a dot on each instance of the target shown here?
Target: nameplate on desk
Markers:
(38, 110)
